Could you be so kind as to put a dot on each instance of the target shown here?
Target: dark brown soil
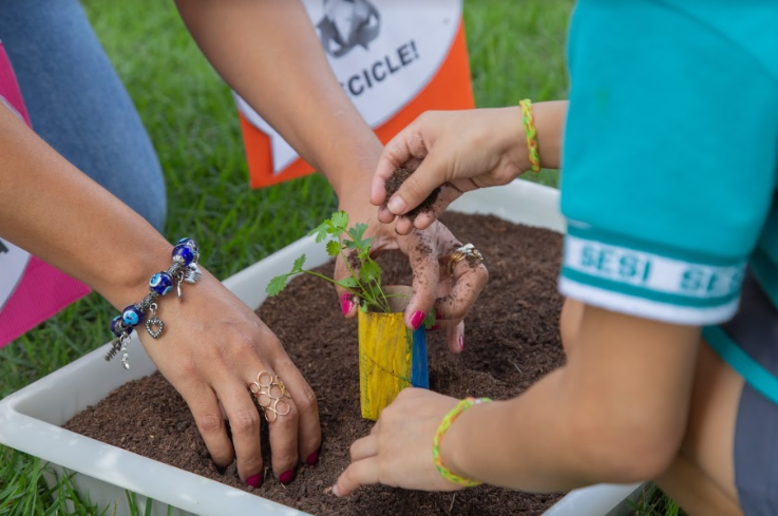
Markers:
(512, 340)
(398, 178)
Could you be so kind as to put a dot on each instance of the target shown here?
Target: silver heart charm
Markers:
(154, 326)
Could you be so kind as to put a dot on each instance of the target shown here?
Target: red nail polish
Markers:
(346, 304)
(312, 458)
(461, 342)
(255, 481)
(287, 476)
(417, 319)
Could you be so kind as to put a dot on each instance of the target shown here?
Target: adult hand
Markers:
(398, 451)
(460, 151)
(452, 294)
(212, 349)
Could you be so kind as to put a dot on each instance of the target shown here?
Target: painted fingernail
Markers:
(461, 343)
(396, 205)
(286, 476)
(312, 458)
(255, 481)
(417, 319)
(346, 304)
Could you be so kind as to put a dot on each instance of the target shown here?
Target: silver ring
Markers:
(467, 250)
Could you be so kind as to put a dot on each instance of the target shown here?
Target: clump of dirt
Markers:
(511, 341)
(399, 176)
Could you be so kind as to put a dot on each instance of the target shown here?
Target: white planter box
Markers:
(30, 419)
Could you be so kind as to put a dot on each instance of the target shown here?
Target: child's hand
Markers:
(398, 451)
(461, 151)
(458, 150)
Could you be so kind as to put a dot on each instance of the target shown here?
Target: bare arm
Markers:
(268, 52)
(54, 211)
(616, 412)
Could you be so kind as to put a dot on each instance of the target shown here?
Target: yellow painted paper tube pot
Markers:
(391, 357)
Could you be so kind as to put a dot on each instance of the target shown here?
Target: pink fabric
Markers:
(43, 290)
(9, 88)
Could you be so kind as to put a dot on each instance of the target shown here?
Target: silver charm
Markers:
(125, 355)
(178, 290)
(154, 325)
(193, 273)
(120, 344)
(115, 346)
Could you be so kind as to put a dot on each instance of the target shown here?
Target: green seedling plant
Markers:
(364, 280)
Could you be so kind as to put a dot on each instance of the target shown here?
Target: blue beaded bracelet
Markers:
(184, 269)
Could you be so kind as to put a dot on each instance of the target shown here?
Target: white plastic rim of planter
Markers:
(30, 419)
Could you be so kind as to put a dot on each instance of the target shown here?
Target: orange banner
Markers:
(445, 87)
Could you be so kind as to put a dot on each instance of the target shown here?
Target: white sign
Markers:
(383, 52)
(13, 262)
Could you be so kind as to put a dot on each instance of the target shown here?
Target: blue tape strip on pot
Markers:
(420, 376)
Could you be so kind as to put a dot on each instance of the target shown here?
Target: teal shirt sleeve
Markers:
(669, 161)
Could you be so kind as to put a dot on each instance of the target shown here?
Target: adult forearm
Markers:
(54, 211)
(268, 52)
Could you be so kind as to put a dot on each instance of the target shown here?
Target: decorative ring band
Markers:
(467, 250)
(272, 396)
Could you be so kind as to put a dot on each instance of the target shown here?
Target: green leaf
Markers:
(320, 231)
(348, 282)
(366, 243)
(357, 232)
(363, 255)
(370, 272)
(333, 248)
(430, 320)
(349, 244)
(298, 264)
(364, 306)
(333, 229)
(340, 220)
(276, 285)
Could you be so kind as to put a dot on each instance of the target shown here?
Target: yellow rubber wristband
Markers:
(532, 134)
(448, 419)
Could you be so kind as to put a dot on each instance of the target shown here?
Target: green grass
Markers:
(517, 51)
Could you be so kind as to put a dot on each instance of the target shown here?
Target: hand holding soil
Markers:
(453, 152)
(452, 295)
